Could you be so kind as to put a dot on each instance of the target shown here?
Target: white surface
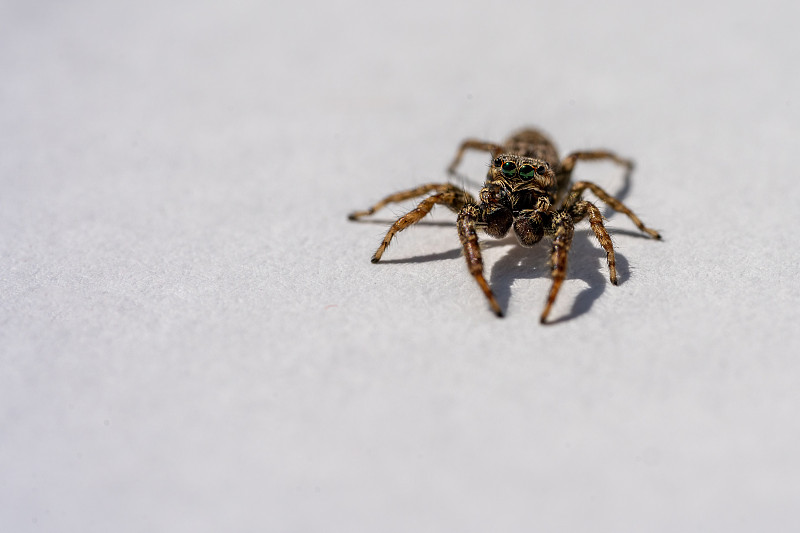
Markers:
(193, 337)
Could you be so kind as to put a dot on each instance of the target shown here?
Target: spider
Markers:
(526, 189)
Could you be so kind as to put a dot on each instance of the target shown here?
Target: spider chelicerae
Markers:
(527, 189)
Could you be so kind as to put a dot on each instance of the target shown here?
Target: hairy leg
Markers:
(407, 195)
(568, 164)
(562, 240)
(473, 144)
(472, 253)
(454, 199)
(583, 209)
(575, 197)
(592, 155)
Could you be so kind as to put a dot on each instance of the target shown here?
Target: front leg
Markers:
(472, 252)
(585, 208)
(454, 199)
(562, 240)
(574, 199)
(407, 195)
(473, 144)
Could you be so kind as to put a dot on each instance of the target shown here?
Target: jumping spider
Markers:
(526, 188)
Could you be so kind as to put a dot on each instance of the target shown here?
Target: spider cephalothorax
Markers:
(525, 189)
(516, 187)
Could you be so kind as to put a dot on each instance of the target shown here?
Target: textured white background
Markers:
(192, 337)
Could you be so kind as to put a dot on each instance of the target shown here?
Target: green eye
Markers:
(509, 169)
(526, 171)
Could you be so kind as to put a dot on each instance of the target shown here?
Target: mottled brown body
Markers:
(526, 191)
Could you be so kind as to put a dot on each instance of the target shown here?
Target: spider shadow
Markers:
(439, 256)
(623, 191)
(387, 222)
(587, 262)
(453, 253)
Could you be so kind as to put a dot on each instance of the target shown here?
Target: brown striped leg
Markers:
(407, 195)
(569, 162)
(562, 240)
(612, 202)
(454, 199)
(472, 252)
(473, 144)
(578, 212)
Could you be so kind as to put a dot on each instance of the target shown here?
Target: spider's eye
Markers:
(526, 171)
(541, 169)
(509, 169)
(498, 162)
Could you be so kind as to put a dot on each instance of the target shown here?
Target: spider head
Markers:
(522, 172)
